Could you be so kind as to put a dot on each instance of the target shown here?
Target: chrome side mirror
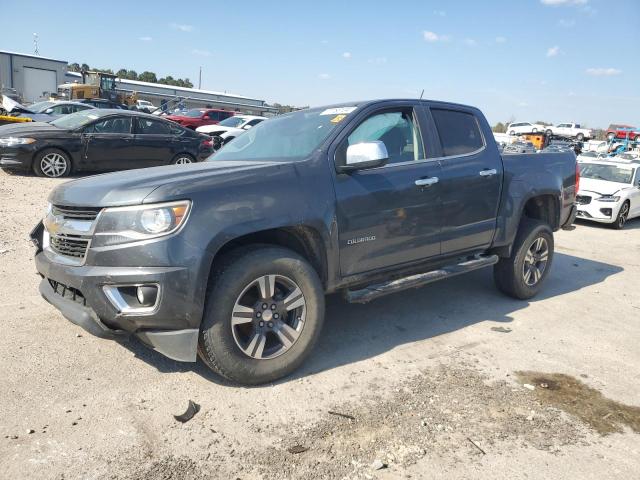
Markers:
(365, 155)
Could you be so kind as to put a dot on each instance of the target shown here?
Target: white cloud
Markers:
(346, 55)
(202, 53)
(440, 13)
(181, 27)
(603, 72)
(501, 40)
(470, 42)
(566, 23)
(378, 60)
(553, 51)
(433, 37)
(324, 76)
(145, 39)
(555, 3)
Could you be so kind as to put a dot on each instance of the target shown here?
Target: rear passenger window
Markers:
(152, 127)
(459, 132)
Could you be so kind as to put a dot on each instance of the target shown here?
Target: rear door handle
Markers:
(488, 172)
(427, 182)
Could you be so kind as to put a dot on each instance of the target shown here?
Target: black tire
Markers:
(217, 345)
(183, 159)
(611, 136)
(580, 137)
(510, 273)
(49, 156)
(512, 133)
(621, 219)
(549, 132)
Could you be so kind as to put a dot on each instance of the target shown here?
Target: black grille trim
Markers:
(76, 213)
(68, 292)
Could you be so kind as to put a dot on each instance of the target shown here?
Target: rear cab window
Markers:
(459, 132)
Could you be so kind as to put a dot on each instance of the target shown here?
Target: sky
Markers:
(524, 60)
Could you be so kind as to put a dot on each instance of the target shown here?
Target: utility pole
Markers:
(200, 80)
(35, 44)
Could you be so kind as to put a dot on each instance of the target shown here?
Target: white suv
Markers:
(524, 127)
(609, 190)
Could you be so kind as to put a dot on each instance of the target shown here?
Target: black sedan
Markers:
(94, 140)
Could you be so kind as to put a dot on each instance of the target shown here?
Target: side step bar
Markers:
(372, 292)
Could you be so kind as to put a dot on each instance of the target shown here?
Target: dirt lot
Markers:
(450, 381)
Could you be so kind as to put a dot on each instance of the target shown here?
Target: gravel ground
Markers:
(450, 381)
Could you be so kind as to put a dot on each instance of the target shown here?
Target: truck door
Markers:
(388, 215)
(470, 182)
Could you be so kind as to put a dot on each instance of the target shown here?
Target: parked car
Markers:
(623, 132)
(609, 191)
(98, 139)
(231, 258)
(48, 111)
(103, 103)
(571, 130)
(145, 106)
(591, 155)
(519, 147)
(524, 127)
(199, 117)
(230, 128)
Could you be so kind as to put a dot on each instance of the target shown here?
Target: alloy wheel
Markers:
(535, 261)
(53, 165)
(268, 317)
(183, 161)
(622, 216)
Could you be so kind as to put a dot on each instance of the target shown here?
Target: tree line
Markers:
(145, 76)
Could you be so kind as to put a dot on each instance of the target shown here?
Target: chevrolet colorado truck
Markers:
(230, 259)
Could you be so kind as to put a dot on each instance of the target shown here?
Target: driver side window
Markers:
(118, 125)
(397, 130)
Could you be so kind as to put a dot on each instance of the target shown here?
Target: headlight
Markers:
(609, 198)
(11, 141)
(143, 222)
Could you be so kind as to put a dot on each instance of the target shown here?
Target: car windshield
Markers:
(40, 106)
(75, 120)
(232, 122)
(194, 113)
(287, 138)
(610, 173)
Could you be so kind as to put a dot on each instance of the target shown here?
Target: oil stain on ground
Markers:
(588, 404)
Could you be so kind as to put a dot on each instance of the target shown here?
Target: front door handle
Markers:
(488, 172)
(427, 182)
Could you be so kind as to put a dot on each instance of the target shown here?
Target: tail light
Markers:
(207, 143)
(577, 178)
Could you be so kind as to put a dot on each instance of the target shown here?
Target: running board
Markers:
(372, 292)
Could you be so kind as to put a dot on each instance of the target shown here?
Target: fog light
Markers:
(147, 295)
(606, 211)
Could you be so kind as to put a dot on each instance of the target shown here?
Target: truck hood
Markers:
(603, 187)
(131, 187)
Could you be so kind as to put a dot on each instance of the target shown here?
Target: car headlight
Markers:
(12, 141)
(609, 198)
(120, 225)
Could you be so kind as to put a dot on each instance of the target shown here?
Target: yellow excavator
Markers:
(96, 85)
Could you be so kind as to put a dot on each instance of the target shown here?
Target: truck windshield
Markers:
(610, 173)
(287, 138)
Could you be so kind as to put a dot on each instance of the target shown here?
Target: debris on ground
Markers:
(191, 411)
(529, 386)
(344, 415)
(378, 464)
(477, 446)
(297, 449)
(501, 329)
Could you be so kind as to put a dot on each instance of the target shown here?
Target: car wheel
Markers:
(622, 217)
(182, 159)
(580, 137)
(263, 315)
(521, 275)
(512, 132)
(549, 132)
(52, 163)
(637, 139)
(611, 136)
(534, 130)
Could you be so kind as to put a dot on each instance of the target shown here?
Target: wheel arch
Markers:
(54, 147)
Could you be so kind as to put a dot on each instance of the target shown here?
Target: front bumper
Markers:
(603, 212)
(18, 158)
(171, 327)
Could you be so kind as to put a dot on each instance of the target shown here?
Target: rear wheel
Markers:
(522, 274)
(263, 316)
(580, 137)
(182, 159)
(52, 163)
(623, 215)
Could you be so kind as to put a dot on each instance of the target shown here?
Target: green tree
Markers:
(147, 76)
(499, 128)
(85, 67)
(73, 67)
(187, 83)
(122, 73)
(132, 75)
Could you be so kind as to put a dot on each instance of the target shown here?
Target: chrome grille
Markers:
(69, 245)
(76, 213)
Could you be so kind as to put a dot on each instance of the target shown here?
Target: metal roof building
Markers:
(193, 97)
(33, 77)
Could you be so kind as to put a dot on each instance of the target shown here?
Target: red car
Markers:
(621, 131)
(198, 117)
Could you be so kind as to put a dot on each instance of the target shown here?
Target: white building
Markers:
(33, 77)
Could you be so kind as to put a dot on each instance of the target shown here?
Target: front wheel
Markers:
(52, 163)
(623, 215)
(580, 137)
(263, 316)
(522, 274)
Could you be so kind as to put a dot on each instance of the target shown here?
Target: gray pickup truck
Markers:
(230, 259)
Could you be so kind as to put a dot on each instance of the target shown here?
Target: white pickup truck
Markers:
(571, 130)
